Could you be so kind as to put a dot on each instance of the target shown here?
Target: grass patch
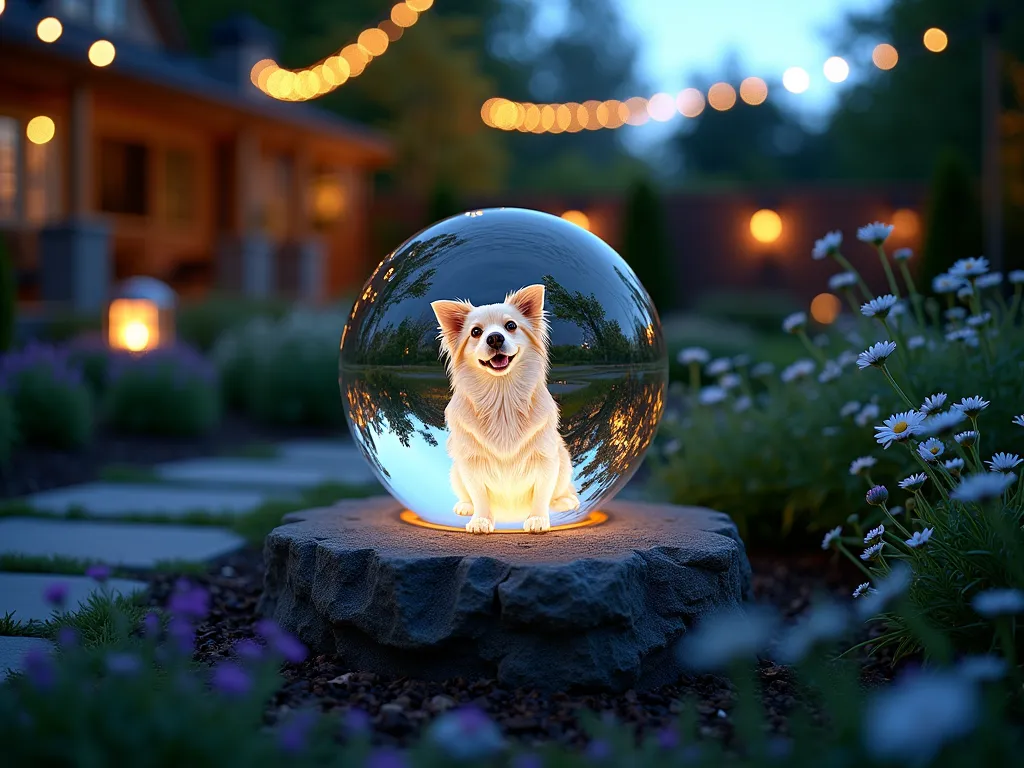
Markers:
(17, 508)
(182, 567)
(254, 451)
(18, 563)
(129, 473)
(11, 627)
(103, 620)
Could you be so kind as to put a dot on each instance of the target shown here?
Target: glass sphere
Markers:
(607, 362)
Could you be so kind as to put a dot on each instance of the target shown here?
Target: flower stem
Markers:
(916, 299)
(856, 561)
(888, 271)
(842, 261)
(885, 370)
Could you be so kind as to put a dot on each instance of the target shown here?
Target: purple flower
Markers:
(56, 594)
(151, 625)
(386, 757)
(267, 629)
(182, 633)
(668, 738)
(293, 735)
(127, 664)
(599, 750)
(98, 572)
(466, 734)
(41, 359)
(356, 722)
(181, 362)
(283, 642)
(189, 601)
(249, 650)
(231, 680)
(39, 669)
(527, 760)
(67, 637)
(877, 496)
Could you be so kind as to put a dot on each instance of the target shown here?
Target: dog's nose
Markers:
(495, 341)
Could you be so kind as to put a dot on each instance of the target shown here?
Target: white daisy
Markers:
(931, 449)
(742, 404)
(967, 438)
(762, 370)
(903, 254)
(672, 447)
(999, 602)
(1003, 462)
(943, 423)
(741, 361)
(795, 322)
(712, 395)
(879, 307)
(896, 511)
(933, 403)
(1016, 277)
(798, 370)
(831, 536)
(873, 551)
(863, 589)
(946, 284)
(831, 372)
(729, 381)
(919, 538)
(849, 409)
(868, 413)
(874, 533)
(913, 482)
(968, 336)
(972, 406)
(842, 280)
(953, 466)
(969, 269)
(898, 428)
(981, 487)
(876, 355)
(875, 233)
(982, 669)
(887, 590)
(697, 355)
(976, 321)
(965, 293)
(1018, 420)
(955, 313)
(827, 245)
(916, 342)
(857, 466)
(991, 280)
(718, 366)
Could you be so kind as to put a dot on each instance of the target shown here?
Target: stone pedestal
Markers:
(75, 266)
(597, 608)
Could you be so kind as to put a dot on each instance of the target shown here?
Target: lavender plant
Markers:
(52, 405)
(8, 432)
(170, 391)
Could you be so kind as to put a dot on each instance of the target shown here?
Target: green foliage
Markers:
(202, 323)
(8, 430)
(285, 372)
(645, 245)
(444, 202)
(954, 226)
(8, 297)
(169, 391)
(760, 310)
(18, 563)
(52, 405)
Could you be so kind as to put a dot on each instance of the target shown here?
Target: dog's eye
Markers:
(476, 332)
(510, 326)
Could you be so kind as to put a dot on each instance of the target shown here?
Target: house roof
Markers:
(182, 72)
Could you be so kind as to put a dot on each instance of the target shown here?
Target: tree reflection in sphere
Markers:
(608, 367)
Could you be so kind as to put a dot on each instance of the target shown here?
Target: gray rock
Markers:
(590, 608)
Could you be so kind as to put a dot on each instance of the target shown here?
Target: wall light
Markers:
(906, 223)
(102, 53)
(40, 129)
(766, 226)
(49, 29)
(141, 316)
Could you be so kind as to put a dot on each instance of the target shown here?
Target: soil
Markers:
(399, 709)
(38, 469)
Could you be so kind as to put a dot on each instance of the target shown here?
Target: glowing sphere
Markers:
(935, 40)
(102, 53)
(766, 226)
(796, 80)
(608, 365)
(836, 69)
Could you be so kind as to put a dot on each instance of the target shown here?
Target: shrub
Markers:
(52, 405)
(91, 354)
(171, 391)
(8, 431)
(954, 222)
(202, 323)
(285, 372)
(760, 310)
(8, 297)
(645, 244)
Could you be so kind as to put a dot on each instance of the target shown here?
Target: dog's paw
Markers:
(480, 525)
(537, 524)
(464, 508)
(568, 503)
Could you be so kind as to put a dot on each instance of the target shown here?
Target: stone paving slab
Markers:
(266, 474)
(320, 452)
(23, 593)
(134, 545)
(13, 650)
(113, 499)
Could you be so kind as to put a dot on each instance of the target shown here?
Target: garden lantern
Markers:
(141, 315)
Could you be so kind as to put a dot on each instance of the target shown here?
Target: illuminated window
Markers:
(329, 198)
(9, 140)
(180, 181)
(124, 177)
(277, 194)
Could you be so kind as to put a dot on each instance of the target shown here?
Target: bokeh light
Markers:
(101, 53)
(662, 107)
(49, 29)
(884, 56)
(420, 5)
(690, 102)
(374, 40)
(935, 40)
(796, 80)
(906, 223)
(40, 129)
(836, 69)
(721, 96)
(637, 106)
(579, 218)
(754, 91)
(404, 16)
(766, 226)
(825, 308)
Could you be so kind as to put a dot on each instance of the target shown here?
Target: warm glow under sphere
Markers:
(766, 226)
(796, 80)
(608, 361)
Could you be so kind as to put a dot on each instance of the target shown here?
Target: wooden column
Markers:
(80, 150)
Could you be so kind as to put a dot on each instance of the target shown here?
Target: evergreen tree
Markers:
(645, 244)
(954, 227)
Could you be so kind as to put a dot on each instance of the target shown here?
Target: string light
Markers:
(884, 56)
(101, 53)
(796, 80)
(935, 40)
(836, 69)
(40, 130)
(754, 91)
(49, 29)
(721, 96)
(328, 74)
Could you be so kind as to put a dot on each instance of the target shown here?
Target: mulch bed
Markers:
(399, 709)
(37, 469)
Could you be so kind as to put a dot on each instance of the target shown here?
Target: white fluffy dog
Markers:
(509, 461)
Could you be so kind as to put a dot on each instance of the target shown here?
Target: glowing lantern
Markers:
(766, 226)
(579, 218)
(141, 316)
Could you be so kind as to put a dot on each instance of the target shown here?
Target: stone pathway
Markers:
(221, 485)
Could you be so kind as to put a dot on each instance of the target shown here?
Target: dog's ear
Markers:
(451, 316)
(529, 301)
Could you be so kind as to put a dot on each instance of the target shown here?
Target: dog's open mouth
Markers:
(499, 362)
